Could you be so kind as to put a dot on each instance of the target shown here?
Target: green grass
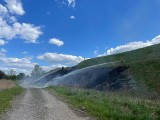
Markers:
(141, 104)
(151, 52)
(144, 64)
(7, 95)
(111, 105)
(147, 72)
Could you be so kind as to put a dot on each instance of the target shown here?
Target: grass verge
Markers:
(7, 95)
(110, 105)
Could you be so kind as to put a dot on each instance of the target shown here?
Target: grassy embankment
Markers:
(144, 67)
(110, 105)
(144, 64)
(8, 90)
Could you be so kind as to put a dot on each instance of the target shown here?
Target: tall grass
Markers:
(111, 105)
(147, 72)
(7, 95)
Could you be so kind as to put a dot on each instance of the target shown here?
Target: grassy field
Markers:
(110, 105)
(8, 91)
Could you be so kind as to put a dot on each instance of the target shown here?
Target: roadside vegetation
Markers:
(8, 90)
(11, 76)
(110, 105)
(6, 84)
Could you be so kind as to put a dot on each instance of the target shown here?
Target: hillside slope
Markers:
(144, 64)
(147, 53)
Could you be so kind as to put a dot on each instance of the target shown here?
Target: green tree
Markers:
(2, 75)
(37, 71)
(12, 72)
(20, 76)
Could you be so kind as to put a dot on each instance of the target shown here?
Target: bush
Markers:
(2, 75)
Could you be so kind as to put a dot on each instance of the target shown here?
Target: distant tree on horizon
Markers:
(20, 76)
(12, 72)
(37, 71)
(2, 75)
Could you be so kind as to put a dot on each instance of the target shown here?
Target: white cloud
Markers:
(56, 58)
(25, 65)
(96, 52)
(3, 50)
(24, 52)
(52, 67)
(3, 10)
(18, 64)
(132, 46)
(15, 7)
(6, 31)
(12, 19)
(26, 31)
(56, 42)
(10, 28)
(71, 3)
(21, 64)
(2, 42)
(72, 17)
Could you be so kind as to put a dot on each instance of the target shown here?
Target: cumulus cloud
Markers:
(18, 64)
(21, 64)
(132, 46)
(52, 67)
(2, 42)
(56, 42)
(26, 31)
(56, 58)
(12, 19)
(2, 52)
(12, 63)
(71, 3)
(3, 9)
(15, 7)
(72, 17)
(10, 28)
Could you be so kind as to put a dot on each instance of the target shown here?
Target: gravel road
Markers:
(38, 104)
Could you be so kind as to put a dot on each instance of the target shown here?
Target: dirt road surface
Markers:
(38, 104)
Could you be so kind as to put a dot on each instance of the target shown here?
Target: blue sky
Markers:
(54, 33)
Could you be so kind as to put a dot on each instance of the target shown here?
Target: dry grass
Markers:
(6, 84)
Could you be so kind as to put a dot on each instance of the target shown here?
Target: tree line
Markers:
(11, 76)
(36, 72)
